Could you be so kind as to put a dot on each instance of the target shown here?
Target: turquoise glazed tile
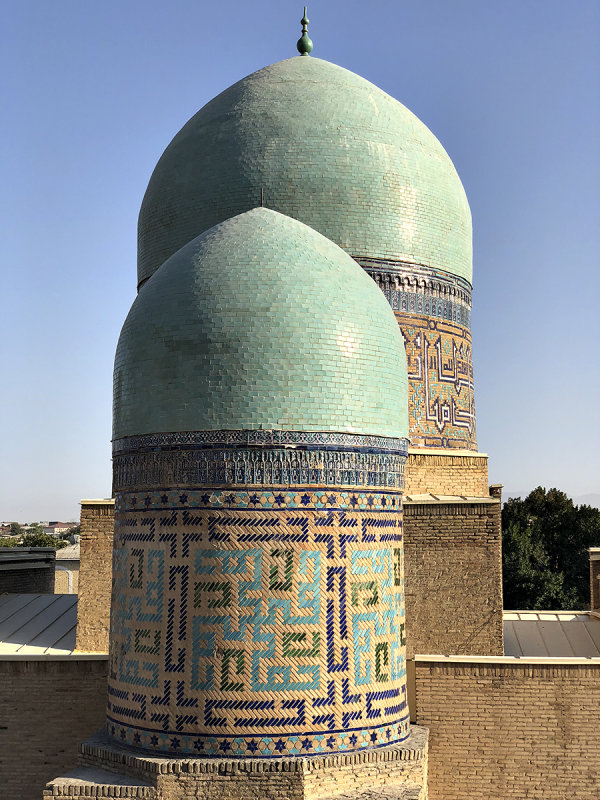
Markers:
(260, 322)
(319, 144)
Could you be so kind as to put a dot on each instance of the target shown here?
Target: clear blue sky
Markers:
(93, 93)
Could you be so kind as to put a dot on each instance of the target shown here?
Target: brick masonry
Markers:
(95, 575)
(47, 707)
(453, 578)
(446, 473)
(518, 731)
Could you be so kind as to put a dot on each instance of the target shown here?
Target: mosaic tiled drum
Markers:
(260, 423)
(324, 146)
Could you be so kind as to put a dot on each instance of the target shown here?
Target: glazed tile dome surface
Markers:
(260, 322)
(327, 148)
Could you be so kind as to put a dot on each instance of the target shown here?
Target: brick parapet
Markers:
(517, 728)
(95, 575)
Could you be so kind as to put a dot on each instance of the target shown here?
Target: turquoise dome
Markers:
(327, 148)
(260, 322)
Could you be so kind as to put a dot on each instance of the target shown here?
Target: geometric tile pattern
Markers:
(241, 628)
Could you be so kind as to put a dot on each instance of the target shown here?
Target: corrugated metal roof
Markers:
(37, 624)
(553, 634)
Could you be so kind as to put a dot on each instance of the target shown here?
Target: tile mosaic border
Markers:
(269, 747)
(272, 438)
(232, 499)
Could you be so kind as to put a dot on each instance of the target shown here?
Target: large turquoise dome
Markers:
(323, 146)
(260, 322)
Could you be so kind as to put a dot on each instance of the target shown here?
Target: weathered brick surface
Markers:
(95, 575)
(444, 473)
(514, 731)
(46, 708)
(453, 578)
(317, 778)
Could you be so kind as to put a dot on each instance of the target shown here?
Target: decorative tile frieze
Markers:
(193, 466)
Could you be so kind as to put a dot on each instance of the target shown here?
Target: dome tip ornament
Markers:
(304, 43)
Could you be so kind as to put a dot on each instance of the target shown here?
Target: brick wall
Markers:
(510, 730)
(95, 575)
(27, 570)
(446, 473)
(453, 578)
(46, 708)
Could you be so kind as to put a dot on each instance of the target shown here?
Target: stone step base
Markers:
(405, 792)
(95, 782)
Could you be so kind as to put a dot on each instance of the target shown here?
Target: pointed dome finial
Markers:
(304, 43)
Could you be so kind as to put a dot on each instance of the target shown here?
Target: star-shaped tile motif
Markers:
(353, 501)
(279, 745)
(123, 734)
(373, 737)
(164, 499)
(331, 499)
(307, 744)
(198, 744)
(279, 499)
(154, 740)
(252, 746)
(183, 498)
(137, 738)
(254, 499)
(305, 499)
(175, 743)
(224, 746)
(205, 499)
(330, 742)
(353, 740)
(370, 501)
(383, 502)
(147, 501)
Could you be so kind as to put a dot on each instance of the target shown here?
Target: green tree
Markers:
(545, 538)
(43, 540)
(15, 529)
(7, 542)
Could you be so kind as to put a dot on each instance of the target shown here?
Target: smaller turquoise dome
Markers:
(260, 322)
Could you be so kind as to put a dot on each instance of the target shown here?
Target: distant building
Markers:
(58, 528)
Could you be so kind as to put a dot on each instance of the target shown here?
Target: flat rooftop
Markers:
(37, 624)
(551, 634)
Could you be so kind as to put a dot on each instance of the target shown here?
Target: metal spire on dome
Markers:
(304, 43)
